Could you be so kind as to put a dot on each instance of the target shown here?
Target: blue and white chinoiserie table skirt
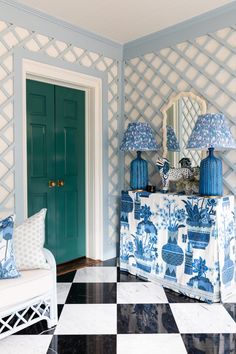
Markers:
(185, 243)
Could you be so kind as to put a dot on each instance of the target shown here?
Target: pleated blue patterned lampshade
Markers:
(139, 137)
(172, 142)
(211, 132)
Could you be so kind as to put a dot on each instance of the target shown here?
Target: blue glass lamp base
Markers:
(138, 173)
(211, 180)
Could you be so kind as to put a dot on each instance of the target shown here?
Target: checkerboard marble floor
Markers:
(105, 311)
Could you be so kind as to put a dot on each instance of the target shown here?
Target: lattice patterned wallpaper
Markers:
(12, 37)
(206, 65)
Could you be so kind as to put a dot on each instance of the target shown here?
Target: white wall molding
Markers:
(94, 143)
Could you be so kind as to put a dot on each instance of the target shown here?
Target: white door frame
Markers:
(93, 139)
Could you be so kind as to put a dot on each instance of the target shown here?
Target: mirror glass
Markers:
(179, 117)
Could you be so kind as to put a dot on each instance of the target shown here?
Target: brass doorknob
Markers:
(51, 184)
(60, 183)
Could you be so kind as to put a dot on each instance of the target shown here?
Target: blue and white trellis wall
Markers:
(13, 37)
(205, 66)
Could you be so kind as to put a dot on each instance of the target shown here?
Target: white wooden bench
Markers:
(29, 299)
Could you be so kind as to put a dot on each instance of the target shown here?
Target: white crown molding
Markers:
(210, 21)
(38, 21)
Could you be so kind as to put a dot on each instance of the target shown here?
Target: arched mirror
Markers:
(179, 117)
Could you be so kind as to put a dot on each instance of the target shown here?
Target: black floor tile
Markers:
(59, 310)
(231, 308)
(82, 344)
(92, 293)
(108, 263)
(37, 328)
(66, 278)
(210, 343)
(174, 297)
(123, 276)
(145, 318)
(41, 326)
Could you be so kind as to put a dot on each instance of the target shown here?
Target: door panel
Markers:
(38, 201)
(40, 151)
(71, 210)
(70, 139)
(56, 151)
(38, 159)
(70, 167)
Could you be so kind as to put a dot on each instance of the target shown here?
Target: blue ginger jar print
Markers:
(172, 219)
(200, 281)
(145, 241)
(172, 254)
(200, 219)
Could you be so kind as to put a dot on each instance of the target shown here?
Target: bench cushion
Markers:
(30, 284)
(28, 243)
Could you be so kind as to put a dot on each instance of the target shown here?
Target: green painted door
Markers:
(56, 153)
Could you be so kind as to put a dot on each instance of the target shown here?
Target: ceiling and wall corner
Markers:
(14, 12)
(124, 21)
(189, 29)
(153, 68)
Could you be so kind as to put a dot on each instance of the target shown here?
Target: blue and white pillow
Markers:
(7, 260)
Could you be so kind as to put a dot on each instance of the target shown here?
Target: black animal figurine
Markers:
(185, 162)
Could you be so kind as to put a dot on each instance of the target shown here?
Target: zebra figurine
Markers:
(171, 174)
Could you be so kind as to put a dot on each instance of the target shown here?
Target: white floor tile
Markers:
(231, 299)
(96, 275)
(202, 318)
(62, 292)
(140, 293)
(88, 319)
(153, 343)
(25, 344)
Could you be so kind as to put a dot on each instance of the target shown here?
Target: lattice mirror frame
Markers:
(190, 96)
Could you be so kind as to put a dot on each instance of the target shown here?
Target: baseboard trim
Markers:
(75, 264)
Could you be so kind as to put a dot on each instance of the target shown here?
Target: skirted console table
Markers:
(185, 243)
